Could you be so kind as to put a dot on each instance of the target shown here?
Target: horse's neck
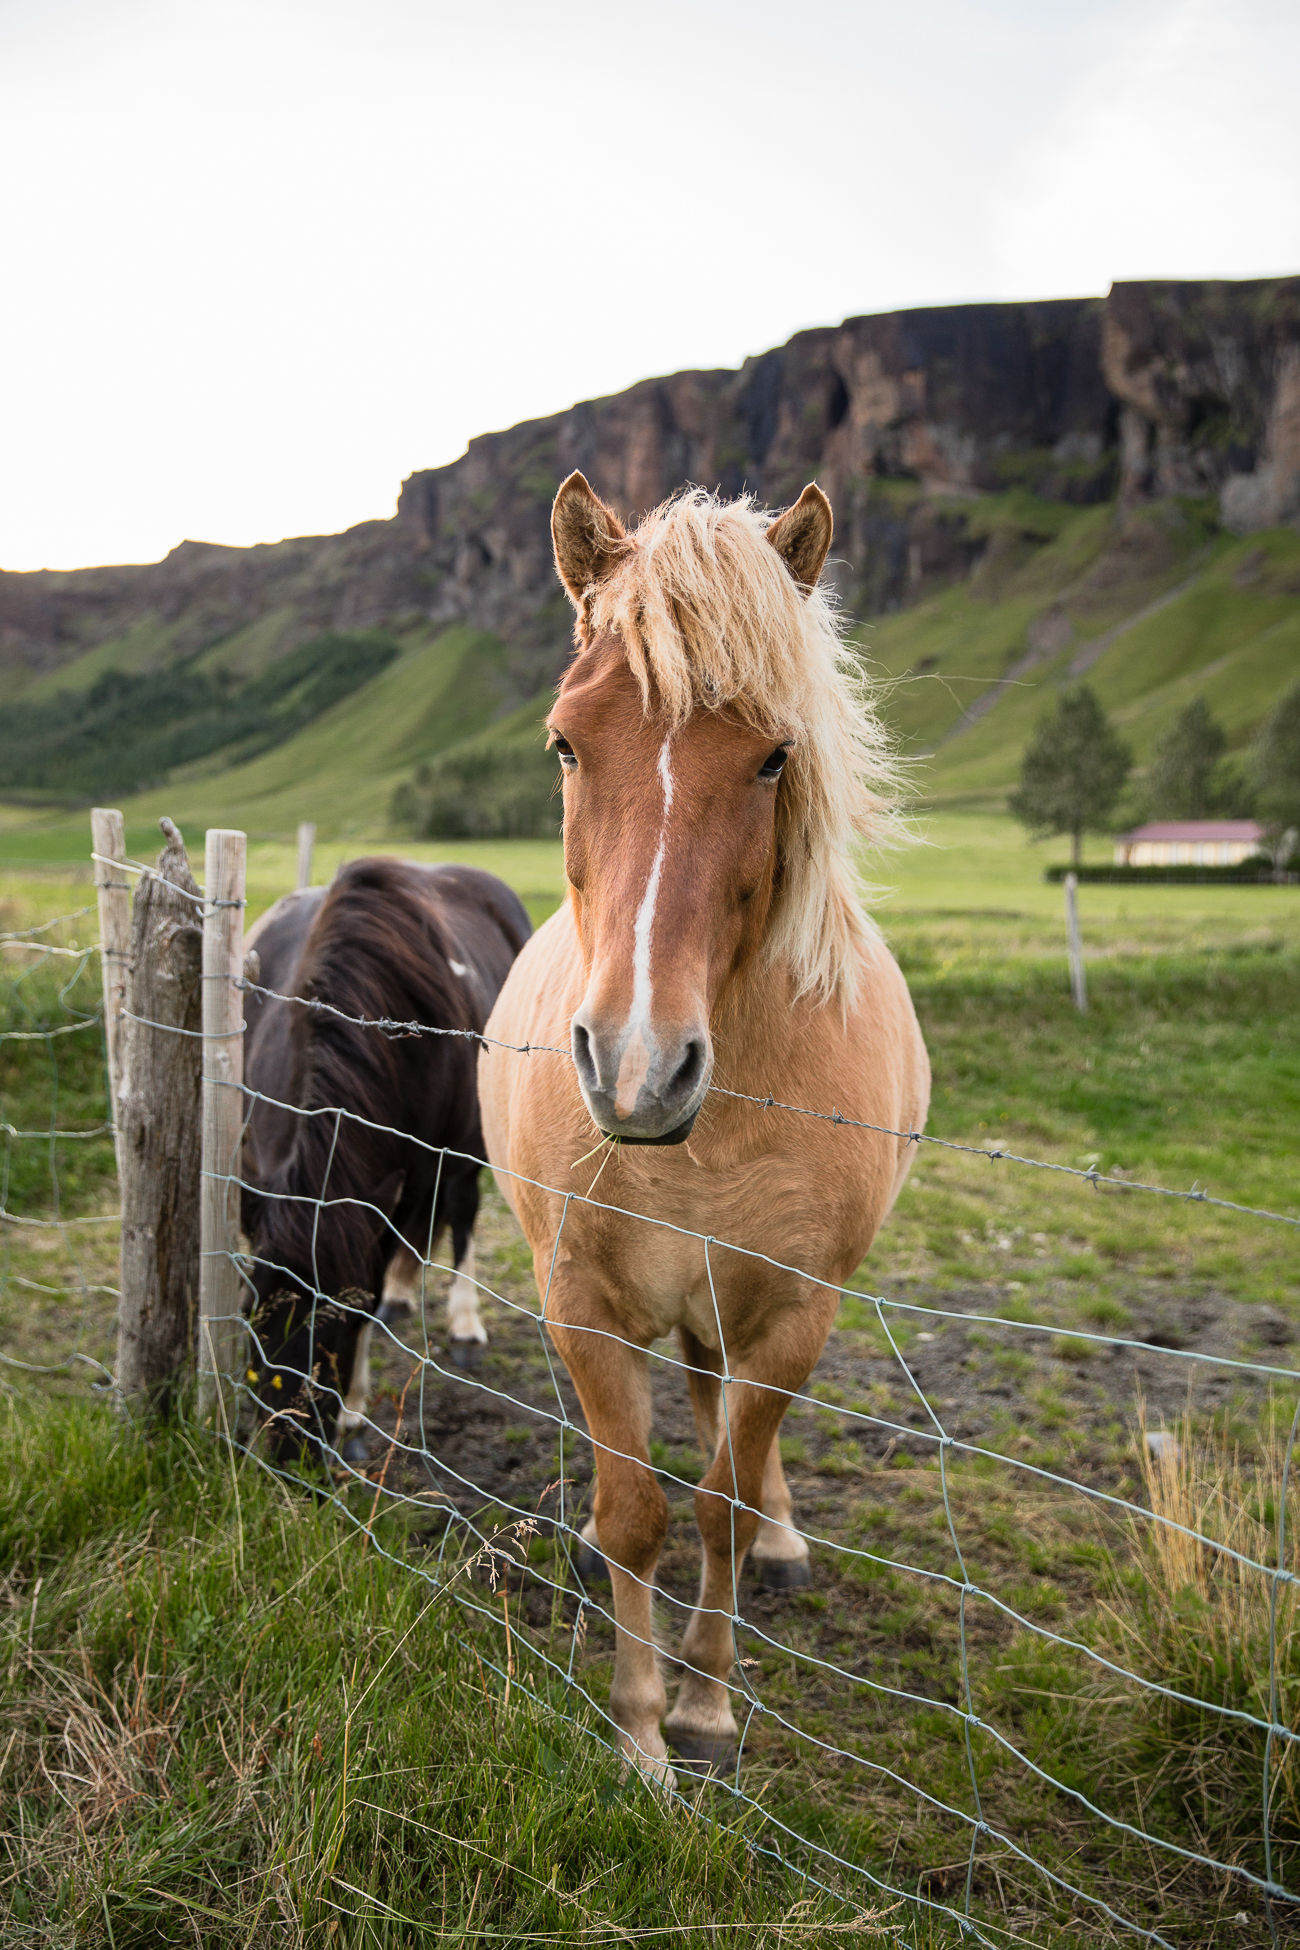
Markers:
(758, 1029)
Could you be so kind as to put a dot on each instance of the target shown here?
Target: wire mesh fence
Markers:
(51, 1013)
(1010, 1814)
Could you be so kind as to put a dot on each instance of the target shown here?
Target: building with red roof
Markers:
(1189, 843)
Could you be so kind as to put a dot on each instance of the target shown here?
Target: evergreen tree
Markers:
(1181, 779)
(1275, 764)
(1073, 770)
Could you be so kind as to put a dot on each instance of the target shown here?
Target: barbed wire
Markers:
(995, 1154)
(394, 1027)
(199, 900)
(963, 1587)
(567, 1587)
(967, 1590)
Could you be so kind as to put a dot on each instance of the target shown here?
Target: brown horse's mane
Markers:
(710, 617)
(375, 951)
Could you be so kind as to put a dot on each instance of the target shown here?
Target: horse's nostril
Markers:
(689, 1070)
(584, 1061)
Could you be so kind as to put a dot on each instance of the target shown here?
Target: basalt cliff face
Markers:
(907, 420)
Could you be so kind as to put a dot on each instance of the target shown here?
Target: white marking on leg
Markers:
(354, 1403)
(402, 1279)
(778, 1540)
(463, 1323)
(635, 1063)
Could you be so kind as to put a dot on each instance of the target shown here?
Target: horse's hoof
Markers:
(393, 1313)
(465, 1355)
(783, 1573)
(589, 1564)
(703, 1752)
(356, 1450)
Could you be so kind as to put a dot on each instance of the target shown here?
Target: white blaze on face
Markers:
(635, 1063)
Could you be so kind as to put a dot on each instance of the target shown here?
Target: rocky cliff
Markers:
(906, 419)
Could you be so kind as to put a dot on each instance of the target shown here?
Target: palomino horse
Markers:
(720, 762)
(387, 941)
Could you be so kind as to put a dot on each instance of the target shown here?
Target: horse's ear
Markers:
(802, 536)
(588, 537)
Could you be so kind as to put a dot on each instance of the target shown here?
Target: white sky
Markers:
(261, 260)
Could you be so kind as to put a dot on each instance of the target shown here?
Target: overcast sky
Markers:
(262, 260)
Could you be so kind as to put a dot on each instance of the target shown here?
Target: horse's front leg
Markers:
(702, 1726)
(631, 1514)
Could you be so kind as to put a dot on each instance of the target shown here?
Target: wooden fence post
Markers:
(158, 1103)
(220, 1289)
(1078, 981)
(306, 846)
(108, 842)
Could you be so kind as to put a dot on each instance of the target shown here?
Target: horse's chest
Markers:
(658, 1277)
(653, 1279)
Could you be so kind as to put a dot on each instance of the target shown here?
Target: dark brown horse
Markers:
(340, 1206)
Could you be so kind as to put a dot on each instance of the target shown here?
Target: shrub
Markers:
(482, 791)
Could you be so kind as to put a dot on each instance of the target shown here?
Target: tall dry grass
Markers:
(1201, 1611)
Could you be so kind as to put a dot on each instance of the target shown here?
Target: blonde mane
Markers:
(710, 616)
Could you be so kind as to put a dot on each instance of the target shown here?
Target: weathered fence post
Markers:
(108, 843)
(1078, 981)
(220, 1326)
(306, 846)
(158, 1130)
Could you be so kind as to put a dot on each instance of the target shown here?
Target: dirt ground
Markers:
(1050, 1396)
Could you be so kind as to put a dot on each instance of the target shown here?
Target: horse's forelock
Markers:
(710, 616)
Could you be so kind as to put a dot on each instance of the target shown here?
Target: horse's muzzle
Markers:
(640, 1085)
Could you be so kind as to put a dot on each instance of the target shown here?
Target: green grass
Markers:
(226, 1718)
(53, 1081)
(128, 729)
(1186, 1070)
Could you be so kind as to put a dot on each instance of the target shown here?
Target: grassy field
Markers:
(228, 1721)
(169, 1777)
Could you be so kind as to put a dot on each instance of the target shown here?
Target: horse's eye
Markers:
(568, 757)
(772, 767)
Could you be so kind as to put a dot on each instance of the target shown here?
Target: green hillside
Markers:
(1153, 612)
(1154, 609)
(341, 770)
(132, 728)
